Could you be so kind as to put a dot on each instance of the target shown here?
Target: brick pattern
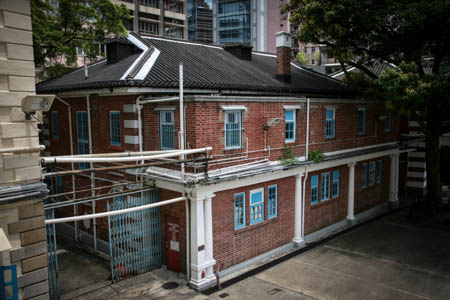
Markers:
(231, 246)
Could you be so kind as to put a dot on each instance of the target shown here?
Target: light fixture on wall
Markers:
(33, 103)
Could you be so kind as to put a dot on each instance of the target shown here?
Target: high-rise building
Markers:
(199, 15)
(252, 22)
(159, 17)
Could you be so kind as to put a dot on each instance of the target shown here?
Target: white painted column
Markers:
(298, 238)
(397, 174)
(351, 192)
(201, 242)
(393, 179)
(209, 238)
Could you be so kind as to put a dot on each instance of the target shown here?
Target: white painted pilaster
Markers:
(201, 235)
(393, 180)
(209, 237)
(351, 192)
(298, 213)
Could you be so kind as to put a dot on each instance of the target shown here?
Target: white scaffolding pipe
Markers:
(91, 151)
(23, 149)
(57, 159)
(119, 154)
(113, 213)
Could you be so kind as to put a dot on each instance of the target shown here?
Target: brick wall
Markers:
(231, 246)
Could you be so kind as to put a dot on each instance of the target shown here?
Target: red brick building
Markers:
(252, 108)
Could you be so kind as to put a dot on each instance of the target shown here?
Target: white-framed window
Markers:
(289, 118)
(371, 173)
(272, 196)
(325, 187)
(166, 129)
(379, 170)
(335, 183)
(233, 129)
(239, 211)
(256, 206)
(361, 121)
(330, 123)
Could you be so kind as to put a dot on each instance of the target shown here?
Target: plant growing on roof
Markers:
(316, 57)
(287, 158)
(316, 155)
(301, 58)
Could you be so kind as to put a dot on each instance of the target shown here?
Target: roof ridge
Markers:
(187, 42)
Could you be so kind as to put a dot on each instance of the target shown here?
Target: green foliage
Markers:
(287, 158)
(300, 58)
(359, 32)
(316, 57)
(57, 32)
(316, 155)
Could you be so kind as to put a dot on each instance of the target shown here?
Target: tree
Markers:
(59, 29)
(300, 58)
(400, 32)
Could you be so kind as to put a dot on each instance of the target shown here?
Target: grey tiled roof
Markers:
(376, 67)
(205, 67)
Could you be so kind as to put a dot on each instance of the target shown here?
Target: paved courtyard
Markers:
(389, 258)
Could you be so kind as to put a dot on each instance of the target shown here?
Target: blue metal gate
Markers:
(52, 257)
(134, 238)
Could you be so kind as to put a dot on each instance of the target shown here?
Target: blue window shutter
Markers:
(82, 136)
(115, 125)
(11, 282)
(379, 170)
(335, 183)
(388, 122)
(372, 173)
(272, 201)
(314, 189)
(55, 125)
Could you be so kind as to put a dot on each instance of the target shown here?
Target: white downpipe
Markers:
(307, 130)
(304, 202)
(119, 154)
(139, 111)
(114, 212)
(75, 207)
(91, 151)
(56, 159)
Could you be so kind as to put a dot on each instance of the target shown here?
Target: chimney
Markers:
(241, 51)
(118, 49)
(284, 43)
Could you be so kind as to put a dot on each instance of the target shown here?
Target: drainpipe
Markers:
(307, 130)
(304, 200)
(91, 151)
(75, 207)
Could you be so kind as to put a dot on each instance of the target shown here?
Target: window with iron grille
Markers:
(114, 128)
(239, 210)
(314, 189)
(233, 129)
(272, 201)
(372, 173)
(325, 187)
(379, 170)
(148, 27)
(388, 122)
(256, 206)
(330, 123)
(55, 125)
(290, 126)
(364, 176)
(166, 130)
(361, 121)
(82, 136)
(335, 183)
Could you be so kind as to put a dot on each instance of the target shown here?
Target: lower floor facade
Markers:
(235, 221)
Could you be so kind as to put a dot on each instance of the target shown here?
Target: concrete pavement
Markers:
(389, 258)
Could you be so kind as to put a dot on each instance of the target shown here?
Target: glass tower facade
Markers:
(233, 22)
